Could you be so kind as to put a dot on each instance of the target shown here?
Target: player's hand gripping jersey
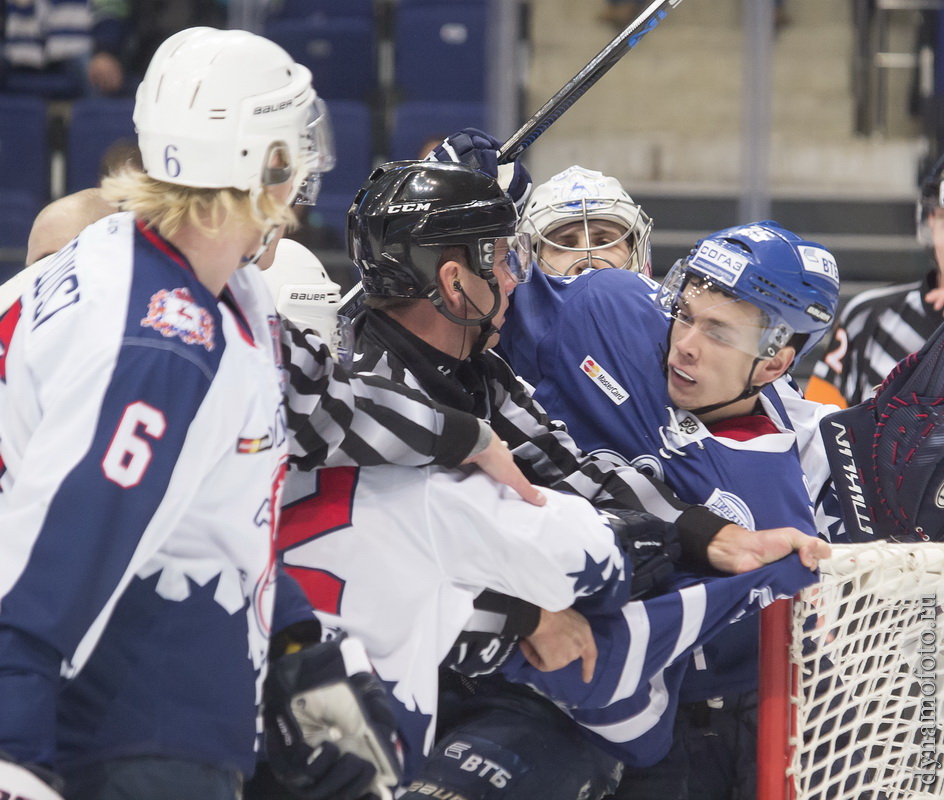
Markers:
(593, 347)
(129, 473)
(396, 556)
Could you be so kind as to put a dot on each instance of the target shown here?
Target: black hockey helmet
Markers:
(409, 211)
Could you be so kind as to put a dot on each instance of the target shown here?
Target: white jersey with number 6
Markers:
(142, 446)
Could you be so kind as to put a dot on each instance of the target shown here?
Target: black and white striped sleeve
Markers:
(336, 418)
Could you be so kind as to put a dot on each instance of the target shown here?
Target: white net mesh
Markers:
(868, 661)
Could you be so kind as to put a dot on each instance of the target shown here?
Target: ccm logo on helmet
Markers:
(270, 109)
(399, 208)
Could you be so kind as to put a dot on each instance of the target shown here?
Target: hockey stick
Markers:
(554, 108)
(577, 86)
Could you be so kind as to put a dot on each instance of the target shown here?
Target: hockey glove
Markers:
(480, 151)
(887, 453)
(651, 547)
(27, 783)
(330, 731)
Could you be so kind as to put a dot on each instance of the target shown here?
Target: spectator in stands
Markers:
(45, 46)
(125, 35)
(880, 327)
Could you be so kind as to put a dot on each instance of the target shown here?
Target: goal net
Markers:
(852, 680)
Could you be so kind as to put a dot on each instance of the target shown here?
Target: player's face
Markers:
(935, 225)
(567, 251)
(710, 351)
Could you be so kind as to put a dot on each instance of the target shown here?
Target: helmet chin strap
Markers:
(255, 195)
(267, 238)
(749, 389)
(484, 321)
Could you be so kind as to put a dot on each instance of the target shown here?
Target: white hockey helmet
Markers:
(581, 195)
(230, 109)
(306, 295)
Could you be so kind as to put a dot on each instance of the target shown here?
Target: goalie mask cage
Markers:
(851, 700)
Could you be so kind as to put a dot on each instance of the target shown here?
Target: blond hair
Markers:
(168, 207)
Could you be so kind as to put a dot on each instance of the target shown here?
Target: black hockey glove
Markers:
(651, 547)
(330, 731)
(480, 151)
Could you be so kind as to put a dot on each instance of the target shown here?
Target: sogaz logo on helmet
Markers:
(720, 262)
(401, 208)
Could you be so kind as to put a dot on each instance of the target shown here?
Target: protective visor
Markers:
(511, 254)
(694, 300)
(316, 155)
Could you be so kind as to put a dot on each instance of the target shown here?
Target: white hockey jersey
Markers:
(142, 449)
(396, 555)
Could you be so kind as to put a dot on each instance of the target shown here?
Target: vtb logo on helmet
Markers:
(229, 109)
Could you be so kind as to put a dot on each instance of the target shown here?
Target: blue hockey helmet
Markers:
(794, 282)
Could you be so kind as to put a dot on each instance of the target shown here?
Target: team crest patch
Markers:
(175, 313)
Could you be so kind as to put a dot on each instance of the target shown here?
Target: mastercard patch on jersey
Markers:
(174, 312)
(604, 380)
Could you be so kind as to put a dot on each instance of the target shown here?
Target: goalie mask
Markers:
(306, 296)
(559, 218)
(229, 109)
(409, 212)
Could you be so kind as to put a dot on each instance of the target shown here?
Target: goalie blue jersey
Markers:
(593, 345)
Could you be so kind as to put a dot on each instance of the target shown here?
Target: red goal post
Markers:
(851, 702)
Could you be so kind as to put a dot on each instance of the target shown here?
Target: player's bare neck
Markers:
(215, 256)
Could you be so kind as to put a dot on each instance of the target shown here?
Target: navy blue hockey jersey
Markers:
(592, 345)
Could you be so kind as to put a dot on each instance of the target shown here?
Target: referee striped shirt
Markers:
(339, 419)
(876, 330)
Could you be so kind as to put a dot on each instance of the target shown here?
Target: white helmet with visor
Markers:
(230, 109)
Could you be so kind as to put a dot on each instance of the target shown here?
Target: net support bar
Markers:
(773, 700)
